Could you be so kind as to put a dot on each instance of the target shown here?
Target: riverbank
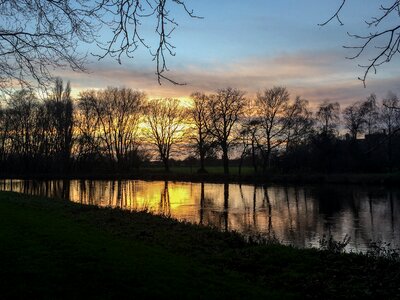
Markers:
(58, 249)
(215, 175)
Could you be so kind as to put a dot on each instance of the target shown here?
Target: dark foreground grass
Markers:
(56, 249)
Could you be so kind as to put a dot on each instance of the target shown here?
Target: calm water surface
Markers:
(295, 215)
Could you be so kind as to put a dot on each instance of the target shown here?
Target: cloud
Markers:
(313, 75)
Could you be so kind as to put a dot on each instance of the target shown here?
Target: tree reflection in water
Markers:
(295, 215)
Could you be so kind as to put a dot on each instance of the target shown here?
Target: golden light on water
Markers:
(299, 216)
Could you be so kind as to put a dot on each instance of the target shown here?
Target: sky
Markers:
(253, 45)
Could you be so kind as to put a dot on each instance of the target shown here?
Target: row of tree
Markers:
(117, 129)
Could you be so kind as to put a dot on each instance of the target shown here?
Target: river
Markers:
(297, 215)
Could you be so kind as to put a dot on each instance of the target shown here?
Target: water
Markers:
(295, 215)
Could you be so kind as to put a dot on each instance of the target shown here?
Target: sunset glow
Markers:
(275, 43)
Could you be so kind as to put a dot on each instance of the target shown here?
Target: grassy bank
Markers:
(57, 249)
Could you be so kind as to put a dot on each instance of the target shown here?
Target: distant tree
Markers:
(226, 108)
(4, 133)
(249, 135)
(200, 116)
(283, 122)
(60, 122)
(328, 116)
(354, 117)
(299, 123)
(273, 104)
(324, 141)
(371, 110)
(390, 120)
(117, 113)
(89, 144)
(23, 119)
(390, 113)
(165, 126)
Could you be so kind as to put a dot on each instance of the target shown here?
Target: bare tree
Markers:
(199, 115)
(273, 104)
(226, 108)
(23, 110)
(249, 136)
(390, 114)
(280, 120)
(371, 113)
(124, 20)
(165, 119)
(4, 133)
(117, 114)
(355, 118)
(390, 120)
(87, 128)
(383, 41)
(39, 36)
(298, 122)
(328, 116)
(60, 117)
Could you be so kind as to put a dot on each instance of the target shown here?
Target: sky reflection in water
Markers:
(294, 215)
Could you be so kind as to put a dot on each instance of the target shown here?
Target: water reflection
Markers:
(295, 215)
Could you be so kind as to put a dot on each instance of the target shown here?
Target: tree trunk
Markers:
(390, 153)
(267, 160)
(225, 160)
(166, 164)
(202, 167)
(253, 156)
(240, 165)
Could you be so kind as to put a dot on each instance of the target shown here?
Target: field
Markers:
(56, 249)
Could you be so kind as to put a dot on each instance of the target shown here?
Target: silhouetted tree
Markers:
(355, 118)
(4, 133)
(38, 36)
(381, 44)
(371, 110)
(249, 136)
(116, 114)
(23, 117)
(60, 117)
(328, 116)
(272, 104)
(390, 113)
(324, 142)
(165, 120)
(299, 123)
(282, 122)
(226, 108)
(200, 116)
(390, 120)
(89, 145)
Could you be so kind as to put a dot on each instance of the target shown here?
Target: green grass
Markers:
(57, 249)
(48, 254)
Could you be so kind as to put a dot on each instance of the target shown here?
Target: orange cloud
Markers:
(315, 76)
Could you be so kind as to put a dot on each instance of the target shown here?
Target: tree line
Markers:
(120, 129)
